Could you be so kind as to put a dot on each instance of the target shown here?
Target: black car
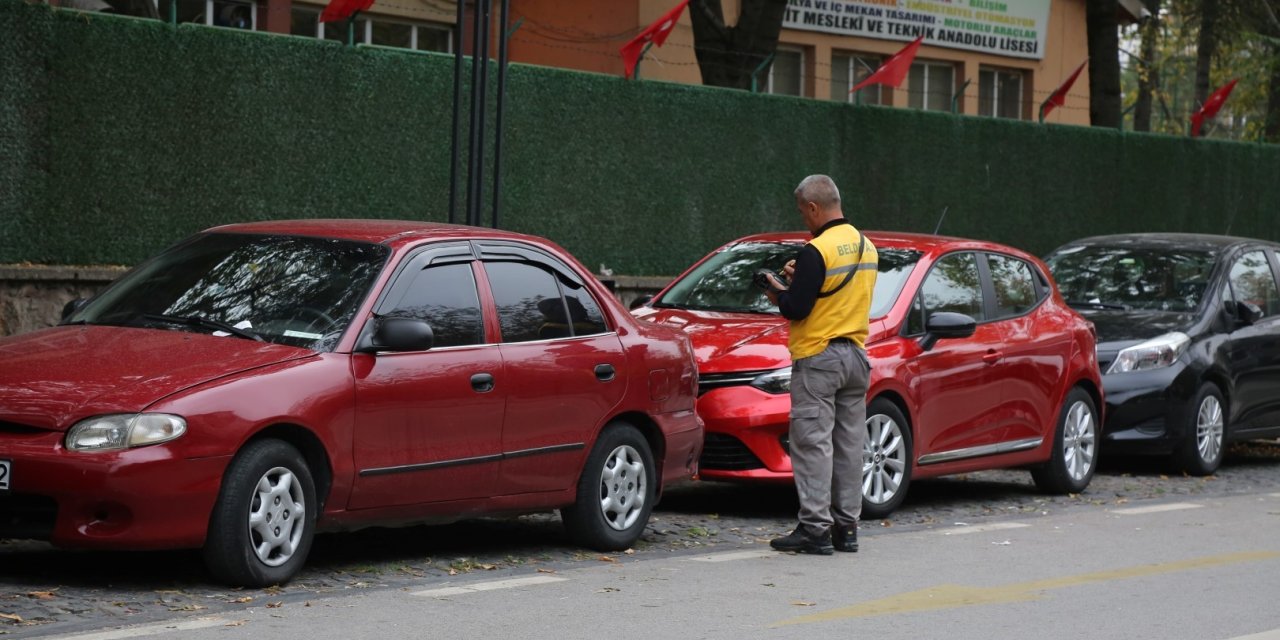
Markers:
(1188, 339)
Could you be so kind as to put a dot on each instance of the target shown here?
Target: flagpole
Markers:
(504, 34)
(459, 31)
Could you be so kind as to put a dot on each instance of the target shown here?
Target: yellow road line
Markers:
(950, 596)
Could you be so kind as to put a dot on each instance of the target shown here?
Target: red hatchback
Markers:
(259, 382)
(977, 363)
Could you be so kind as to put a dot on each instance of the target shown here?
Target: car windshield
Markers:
(723, 281)
(1115, 277)
(291, 290)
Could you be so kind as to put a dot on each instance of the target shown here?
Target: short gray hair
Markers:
(819, 189)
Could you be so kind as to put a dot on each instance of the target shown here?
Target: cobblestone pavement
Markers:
(45, 591)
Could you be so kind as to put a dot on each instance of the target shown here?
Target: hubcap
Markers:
(623, 488)
(1209, 429)
(884, 459)
(276, 517)
(1079, 441)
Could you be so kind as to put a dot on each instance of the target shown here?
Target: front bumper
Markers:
(745, 430)
(1147, 410)
(144, 498)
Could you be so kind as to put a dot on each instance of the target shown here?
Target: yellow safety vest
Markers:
(842, 314)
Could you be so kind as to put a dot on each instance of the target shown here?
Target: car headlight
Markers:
(1156, 353)
(124, 430)
(776, 381)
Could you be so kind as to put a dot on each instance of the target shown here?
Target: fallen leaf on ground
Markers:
(630, 552)
(10, 616)
(241, 600)
(42, 595)
(608, 590)
(274, 605)
(802, 603)
(546, 570)
(237, 623)
(606, 559)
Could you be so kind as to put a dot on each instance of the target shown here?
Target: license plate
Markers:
(5, 473)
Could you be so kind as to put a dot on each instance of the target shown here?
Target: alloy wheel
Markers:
(1209, 429)
(883, 459)
(1079, 441)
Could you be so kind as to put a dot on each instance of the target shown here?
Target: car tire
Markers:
(1074, 455)
(616, 491)
(886, 460)
(261, 528)
(1200, 452)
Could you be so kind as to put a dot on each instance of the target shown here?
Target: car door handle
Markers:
(992, 356)
(604, 372)
(482, 382)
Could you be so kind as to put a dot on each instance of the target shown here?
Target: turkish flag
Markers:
(1211, 106)
(892, 72)
(656, 33)
(1059, 97)
(343, 9)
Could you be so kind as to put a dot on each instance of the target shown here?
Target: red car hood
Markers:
(51, 378)
(729, 342)
(725, 342)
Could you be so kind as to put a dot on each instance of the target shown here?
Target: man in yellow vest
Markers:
(827, 302)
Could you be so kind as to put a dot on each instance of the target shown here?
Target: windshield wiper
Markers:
(197, 321)
(1087, 304)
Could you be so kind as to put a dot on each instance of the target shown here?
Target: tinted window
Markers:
(583, 311)
(1014, 285)
(529, 302)
(445, 296)
(1253, 282)
(953, 285)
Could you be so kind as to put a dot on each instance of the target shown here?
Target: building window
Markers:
(847, 70)
(215, 13)
(1000, 93)
(786, 74)
(930, 86)
(377, 30)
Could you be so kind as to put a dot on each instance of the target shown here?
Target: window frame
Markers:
(996, 72)
(924, 99)
(991, 306)
(851, 73)
(1273, 268)
(800, 73)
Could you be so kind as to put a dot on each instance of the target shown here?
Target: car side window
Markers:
(445, 296)
(954, 285)
(1252, 282)
(1014, 285)
(584, 311)
(529, 303)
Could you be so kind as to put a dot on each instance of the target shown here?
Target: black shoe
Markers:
(845, 538)
(801, 541)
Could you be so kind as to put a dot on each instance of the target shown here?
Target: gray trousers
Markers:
(828, 428)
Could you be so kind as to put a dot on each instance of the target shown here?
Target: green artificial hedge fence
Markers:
(119, 136)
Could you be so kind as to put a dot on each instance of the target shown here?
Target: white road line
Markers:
(730, 556)
(998, 526)
(145, 630)
(1157, 508)
(1274, 634)
(487, 586)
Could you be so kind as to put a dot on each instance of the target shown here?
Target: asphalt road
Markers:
(50, 592)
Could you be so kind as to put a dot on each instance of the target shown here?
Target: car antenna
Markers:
(940, 219)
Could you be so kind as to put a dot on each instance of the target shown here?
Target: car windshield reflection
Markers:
(1103, 277)
(723, 282)
(291, 290)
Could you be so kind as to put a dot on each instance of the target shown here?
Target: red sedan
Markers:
(977, 363)
(259, 382)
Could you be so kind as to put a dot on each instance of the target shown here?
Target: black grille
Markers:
(727, 453)
(709, 381)
(22, 429)
(27, 516)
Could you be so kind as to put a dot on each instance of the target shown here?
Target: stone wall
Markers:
(32, 296)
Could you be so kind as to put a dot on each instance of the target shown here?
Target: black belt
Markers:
(841, 340)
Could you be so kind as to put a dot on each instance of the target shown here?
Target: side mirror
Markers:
(640, 302)
(1245, 313)
(946, 325)
(400, 334)
(71, 307)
